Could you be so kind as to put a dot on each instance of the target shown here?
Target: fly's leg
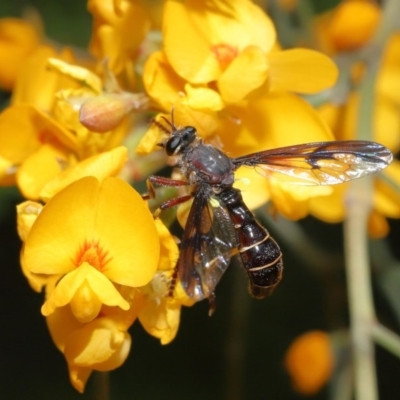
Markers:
(168, 182)
(171, 203)
(212, 304)
(160, 181)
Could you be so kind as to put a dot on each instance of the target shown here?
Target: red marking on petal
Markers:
(225, 53)
(92, 253)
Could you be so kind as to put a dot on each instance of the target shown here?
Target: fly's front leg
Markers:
(153, 181)
(160, 181)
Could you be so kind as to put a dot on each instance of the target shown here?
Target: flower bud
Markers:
(104, 112)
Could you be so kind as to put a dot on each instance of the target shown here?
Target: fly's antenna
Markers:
(171, 123)
(161, 126)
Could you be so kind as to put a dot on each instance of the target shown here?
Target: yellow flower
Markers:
(18, 40)
(53, 143)
(98, 235)
(309, 361)
(101, 345)
(233, 46)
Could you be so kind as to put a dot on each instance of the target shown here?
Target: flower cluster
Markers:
(90, 241)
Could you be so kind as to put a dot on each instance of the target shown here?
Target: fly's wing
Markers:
(208, 243)
(325, 163)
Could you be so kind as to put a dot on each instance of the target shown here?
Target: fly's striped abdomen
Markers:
(259, 252)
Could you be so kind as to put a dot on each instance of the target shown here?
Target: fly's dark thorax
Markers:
(209, 165)
(259, 252)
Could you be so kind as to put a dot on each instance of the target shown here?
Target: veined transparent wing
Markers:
(208, 243)
(325, 163)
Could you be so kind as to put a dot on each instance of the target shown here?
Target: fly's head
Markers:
(179, 138)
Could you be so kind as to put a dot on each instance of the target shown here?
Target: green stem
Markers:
(237, 337)
(102, 385)
(361, 305)
(362, 314)
(386, 338)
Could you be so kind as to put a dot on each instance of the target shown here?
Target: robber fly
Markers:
(220, 225)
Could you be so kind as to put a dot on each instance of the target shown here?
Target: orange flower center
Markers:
(92, 253)
(225, 53)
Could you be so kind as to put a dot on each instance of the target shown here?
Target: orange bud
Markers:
(353, 23)
(104, 112)
(309, 361)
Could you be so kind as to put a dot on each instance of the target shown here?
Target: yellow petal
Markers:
(38, 169)
(378, 226)
(86, 289)
(188, 52)
(206, 39)
(98, 345)
(113, 37)
(36, 84)
(38, 281)
(162, 83)
(148, 143)
(31, 127)
(263, 124)
(7, 172)
(386, 197)
(253, 187)
(169, 249)
(203, 98)
(79, 377)
(100, 166)
(161, 320)
(80, 74)
(18, 39)
(15, 130)
(107, 221)
(85, 304)
(292, 202)
(301, 70)
(245, 73)
(27, 213)
(330, 208)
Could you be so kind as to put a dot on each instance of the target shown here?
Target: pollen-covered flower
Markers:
(97, 236)
(309, 361)
(160, 315)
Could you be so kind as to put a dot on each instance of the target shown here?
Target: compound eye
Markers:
(173, 144)
(189, 134)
